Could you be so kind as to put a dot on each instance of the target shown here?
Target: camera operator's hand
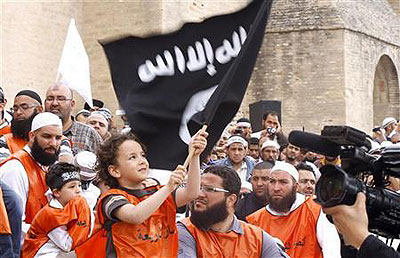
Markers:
(351, 221)
(380, 135)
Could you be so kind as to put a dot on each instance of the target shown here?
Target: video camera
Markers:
(340, 185)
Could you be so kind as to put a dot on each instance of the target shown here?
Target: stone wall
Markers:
(362, 55)
(319, 58)
(33, 36)
(307, 78)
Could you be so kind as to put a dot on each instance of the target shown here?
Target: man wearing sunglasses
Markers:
(213, 230)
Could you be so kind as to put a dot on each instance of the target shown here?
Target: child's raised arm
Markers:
(137, 214)
(192, 189)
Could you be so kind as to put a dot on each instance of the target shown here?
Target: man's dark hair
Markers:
(272, 113)
(263, 165)
(253, 141)
(230, 178)
(304, 166)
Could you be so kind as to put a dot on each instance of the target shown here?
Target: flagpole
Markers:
(191, 151)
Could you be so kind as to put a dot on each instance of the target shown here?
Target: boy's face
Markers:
(132, 166)
(68, 191)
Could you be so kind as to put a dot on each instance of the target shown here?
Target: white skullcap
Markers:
(99, 115)
(238, 139)
(289, 168)
(388, 121)
(86, 161)
(45, 119)
(243, 124)
(269, 143)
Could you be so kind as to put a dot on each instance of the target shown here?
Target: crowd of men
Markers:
(256, 187)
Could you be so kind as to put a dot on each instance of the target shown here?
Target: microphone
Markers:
(314, 143)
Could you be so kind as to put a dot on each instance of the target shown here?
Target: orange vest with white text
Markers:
(4, 222)
(75, 215)
(37, 184)
(14, 144)
(5, 130)
(156, 237)
(297, 230)
(228, 244)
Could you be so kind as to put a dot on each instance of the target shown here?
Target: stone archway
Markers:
(386, 90)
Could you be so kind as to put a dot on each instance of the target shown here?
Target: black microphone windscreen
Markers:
(314, 142)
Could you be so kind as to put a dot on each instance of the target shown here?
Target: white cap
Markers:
(86, 161)
(289, 168)
(269, 143)
(388, 121)
(238, 139)
(99, 115)
(45, 119)
(244, 124)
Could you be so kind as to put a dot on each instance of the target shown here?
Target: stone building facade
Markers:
(328, 61)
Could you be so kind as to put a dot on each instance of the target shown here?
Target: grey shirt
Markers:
(187, 244)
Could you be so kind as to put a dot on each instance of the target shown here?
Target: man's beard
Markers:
(291, 157)
(270, 160)
(20, 128)
(284, 204)
(214, 214)
(39, 154)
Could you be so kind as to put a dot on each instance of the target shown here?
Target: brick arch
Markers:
(386, 90)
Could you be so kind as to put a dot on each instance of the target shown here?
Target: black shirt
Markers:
(373, 247)
(248, 204)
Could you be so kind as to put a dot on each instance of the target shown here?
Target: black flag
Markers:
(170, 85)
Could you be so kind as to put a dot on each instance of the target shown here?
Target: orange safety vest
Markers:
(5, 130)
(297, 230)
(37, 184)
(4, 223)
(229, 244)
(75, 215)
(14, 144)
(96, 245)
(156, 237)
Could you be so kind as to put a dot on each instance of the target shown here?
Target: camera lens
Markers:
(333, 187)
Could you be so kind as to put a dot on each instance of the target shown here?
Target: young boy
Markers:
(137, 212)
(62, 224)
